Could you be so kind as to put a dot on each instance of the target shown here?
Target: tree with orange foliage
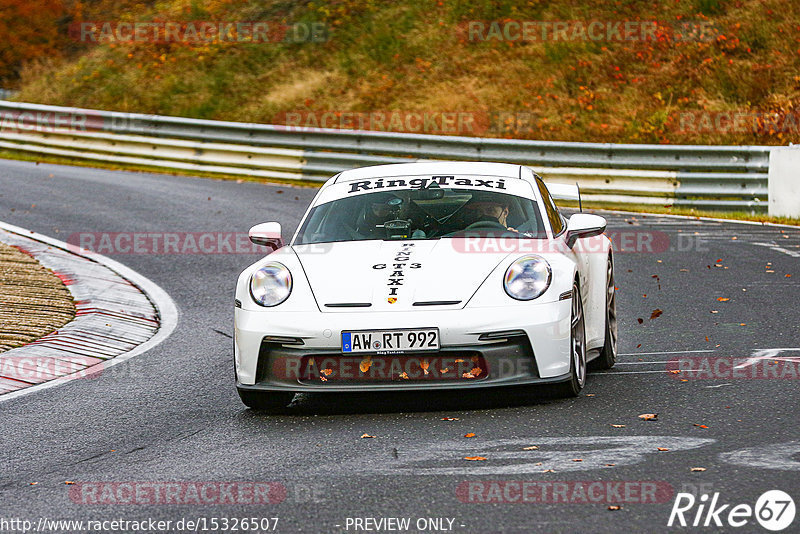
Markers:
(30, 29)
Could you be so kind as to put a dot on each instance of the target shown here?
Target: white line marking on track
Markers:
(755, 357)
(627, 372)
(779, 456)
(776, 248)
(667, 352)
(643, 363)
(769, 354)
(508, 457)
(167, 310)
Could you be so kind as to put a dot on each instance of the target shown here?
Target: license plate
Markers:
(391, 341)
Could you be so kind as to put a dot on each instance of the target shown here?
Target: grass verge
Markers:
(35, 301)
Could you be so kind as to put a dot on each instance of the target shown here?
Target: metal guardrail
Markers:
(715, 177)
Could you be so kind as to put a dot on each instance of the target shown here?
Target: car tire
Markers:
(577, 350)
(265, 401)
(608, 354)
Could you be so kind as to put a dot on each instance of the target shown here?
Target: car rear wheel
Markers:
(577, 368)
(263, 400)
(608, 355)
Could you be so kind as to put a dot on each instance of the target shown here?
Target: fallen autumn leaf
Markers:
(475, 372)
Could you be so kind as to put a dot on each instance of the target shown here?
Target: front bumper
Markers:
(533, 347)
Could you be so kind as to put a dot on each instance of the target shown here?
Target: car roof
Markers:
(504, 170)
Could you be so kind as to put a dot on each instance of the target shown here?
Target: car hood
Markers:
(394, 275)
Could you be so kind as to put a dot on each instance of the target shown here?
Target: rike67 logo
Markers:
(774, 510)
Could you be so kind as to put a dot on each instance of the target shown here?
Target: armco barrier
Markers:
(711, 177)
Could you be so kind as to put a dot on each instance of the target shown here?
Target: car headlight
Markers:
(527, 278)
(271, 284)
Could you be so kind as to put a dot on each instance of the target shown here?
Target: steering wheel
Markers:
(489, 225)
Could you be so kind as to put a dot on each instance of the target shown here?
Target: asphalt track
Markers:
(171, 414)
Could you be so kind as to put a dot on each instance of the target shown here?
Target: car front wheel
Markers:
(577, 368)
(608, 354)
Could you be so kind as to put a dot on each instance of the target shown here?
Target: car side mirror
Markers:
(583, 225)
(267, 234)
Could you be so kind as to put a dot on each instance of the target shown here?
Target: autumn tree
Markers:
(29, 29)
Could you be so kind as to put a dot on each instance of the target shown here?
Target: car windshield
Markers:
(430, 213)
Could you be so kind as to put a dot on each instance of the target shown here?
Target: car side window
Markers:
(556, 221)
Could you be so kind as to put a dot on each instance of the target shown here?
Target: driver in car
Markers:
(379, 211)
(490, 209)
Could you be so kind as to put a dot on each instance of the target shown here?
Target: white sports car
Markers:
(440, 275)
